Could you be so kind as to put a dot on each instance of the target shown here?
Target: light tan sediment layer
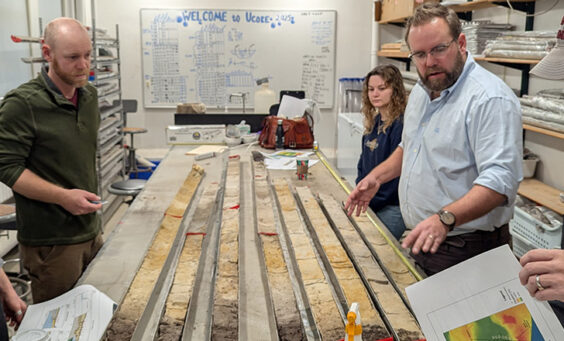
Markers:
(321, 301)
(347, 276)
(288, 319)
(225, 324)
(172, 322)
(394, 307)
(130, 310)
(391, 261)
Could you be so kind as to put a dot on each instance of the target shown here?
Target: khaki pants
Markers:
(55, 269)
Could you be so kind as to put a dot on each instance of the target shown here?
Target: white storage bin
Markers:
(520, 245)
(534, 231)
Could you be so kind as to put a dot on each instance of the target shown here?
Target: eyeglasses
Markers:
(438, 51)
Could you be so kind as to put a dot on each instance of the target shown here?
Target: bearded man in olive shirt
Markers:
(48, 137)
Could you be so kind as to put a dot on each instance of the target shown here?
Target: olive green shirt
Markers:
(42, 131)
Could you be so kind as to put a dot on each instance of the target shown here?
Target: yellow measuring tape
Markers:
(390, 243)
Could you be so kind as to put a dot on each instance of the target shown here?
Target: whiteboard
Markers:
(205, 55)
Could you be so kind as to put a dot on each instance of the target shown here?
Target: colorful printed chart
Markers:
(513, 324)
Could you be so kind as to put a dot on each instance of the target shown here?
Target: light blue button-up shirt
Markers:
(470, 135)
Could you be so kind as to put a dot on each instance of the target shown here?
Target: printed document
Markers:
(286, 159)
(291, 107)
(482, 299)
(80, 314)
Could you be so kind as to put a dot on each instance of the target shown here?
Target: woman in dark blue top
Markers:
(383, 103)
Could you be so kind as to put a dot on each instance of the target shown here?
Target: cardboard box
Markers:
(377, 10)
(399, 10)
(196, 134)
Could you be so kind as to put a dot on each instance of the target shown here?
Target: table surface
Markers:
(6, 210)
(116, 264)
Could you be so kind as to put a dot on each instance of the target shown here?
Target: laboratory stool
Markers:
(19, 279)
(130, 187)
(132, 159)
(130, 106)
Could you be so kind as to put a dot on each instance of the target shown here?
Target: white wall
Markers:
(354, 20)
(13, 21)
(354, 36)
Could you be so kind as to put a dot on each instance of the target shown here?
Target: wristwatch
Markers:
(447, 218)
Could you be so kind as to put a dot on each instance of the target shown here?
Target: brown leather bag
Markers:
(297, 132)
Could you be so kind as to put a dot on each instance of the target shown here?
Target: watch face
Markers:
(447, 217)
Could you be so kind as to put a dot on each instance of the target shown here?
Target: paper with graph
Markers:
(80, 314)
(482, 299)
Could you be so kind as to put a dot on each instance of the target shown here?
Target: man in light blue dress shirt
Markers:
(461, 150)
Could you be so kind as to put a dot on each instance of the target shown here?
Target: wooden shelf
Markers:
(544, 131)
(400, 54)
(507, 60)
(393, 54)
(479, 4)
(542, 194)
(460, 8)
(520, 64)
(401, 20)
(472, 5)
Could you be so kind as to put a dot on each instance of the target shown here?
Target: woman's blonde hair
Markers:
(392, 78)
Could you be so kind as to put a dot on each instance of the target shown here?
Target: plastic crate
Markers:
(145, 173)
(520, 245)
(534, 231)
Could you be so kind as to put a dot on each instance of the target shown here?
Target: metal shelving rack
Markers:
(110, 158)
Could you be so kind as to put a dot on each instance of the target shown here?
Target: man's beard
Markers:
(449, 79)
(69, 78)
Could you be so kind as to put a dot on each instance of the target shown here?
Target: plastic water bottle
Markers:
(279, 136)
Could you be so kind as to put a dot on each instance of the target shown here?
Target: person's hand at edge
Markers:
(548, 265)
(14, 307)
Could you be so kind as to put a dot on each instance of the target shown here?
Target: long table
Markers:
(117, 263)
